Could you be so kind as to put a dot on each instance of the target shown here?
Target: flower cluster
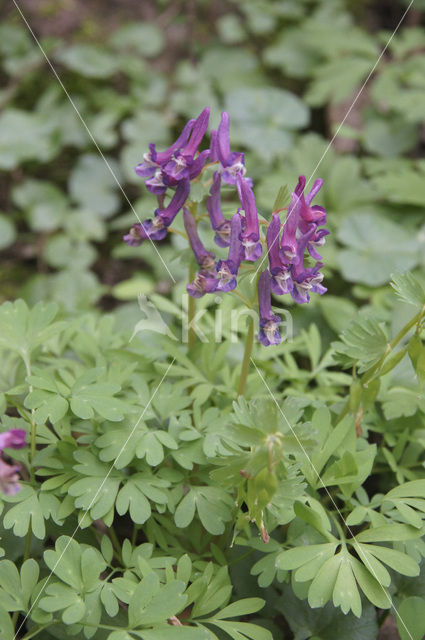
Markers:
(9, 479)
(287, 244)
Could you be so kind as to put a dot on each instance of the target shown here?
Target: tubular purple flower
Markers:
(233, 164)
(158, 184)
(155, 159)
(168, 213)
(9, 479)
(281, 282)
(223, 139)
(317, 240)
(289, 243)
(153, 229)
(204, 258)
(179, 167)
(213, 146)
(269, 322)
(198, 132)
(13, 439)
(316, 213)
(156, 229)
(198, 164)
(204, 283)
(227, 270)
(307, 280)
(252, 248)
(220, 225)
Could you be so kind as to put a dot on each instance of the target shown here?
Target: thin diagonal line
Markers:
(88, 131)
(94, 497)
(339, 128)
(359, 549)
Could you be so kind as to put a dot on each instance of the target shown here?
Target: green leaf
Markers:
(11, 584)
(88, 396)
(135, 495)
(364, 340)
(377, 248)
(327, 623)
(389, 533)
(59, 597)
(240, 608)
(261, 118)
(397, 560)
(89, 60)
(406, 186)
(345, 594)
(93, 186)
(376, 593)
(409, 289)
(299, 556)
(24, 136)
(23, 330)
(283, 198)
(7, 232)
(46, 406)
(242, 630)
(30, 511)
(214, 596)
(408, 490)
(145, 39)
(173, 633)
(109, 600)
(212, 504)
(313, 518)
(46, 207)
(322, 586)
(98, 488)
(7, 630)
(410, 619)
(65, 561)
(152, 603)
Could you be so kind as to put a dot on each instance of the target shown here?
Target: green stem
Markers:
(191, 336)
(33, 425)
(34, 632)
(115, 542)
(246, 357)
(369, 374)
(343, 539)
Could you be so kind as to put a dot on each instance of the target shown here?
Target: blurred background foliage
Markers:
(286, 70)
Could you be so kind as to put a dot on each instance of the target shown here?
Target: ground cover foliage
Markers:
(296, 510)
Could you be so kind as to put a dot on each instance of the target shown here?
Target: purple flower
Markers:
(204, 283)
(168, 213)
(281, 282)
(158, 183)
(227, 270)
(252, 248)
(13, 439)
(311, 214)
(9, 478)
(157, 228)
(154, 160)
(317, 240)
(204, 258)
(306, 280)
(220, 225)
(232, 163)
(269, 322)
(289, 242)
(183, 164)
